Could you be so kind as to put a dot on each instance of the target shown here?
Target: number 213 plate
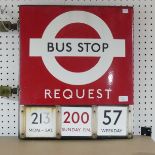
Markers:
(40, 122)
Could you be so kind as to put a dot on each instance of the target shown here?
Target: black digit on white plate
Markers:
(112, 121)
(40, 118)
(107, 118)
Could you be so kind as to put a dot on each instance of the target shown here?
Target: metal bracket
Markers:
(94, 122)
(7, 91)
(6, 26)
(22, 125)
(146, 131)
(58, 122)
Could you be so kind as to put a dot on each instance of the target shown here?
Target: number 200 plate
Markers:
(76, 121)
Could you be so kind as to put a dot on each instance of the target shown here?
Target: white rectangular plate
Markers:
(40, 122)
(76, 121)
(112, 121)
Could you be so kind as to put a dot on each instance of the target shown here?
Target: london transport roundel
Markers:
(76, 55)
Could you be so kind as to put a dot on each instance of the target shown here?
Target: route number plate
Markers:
(40, 122)
(76, 121)
(112, 121)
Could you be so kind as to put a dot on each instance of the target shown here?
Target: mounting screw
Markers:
(22, 135)
(58, 136)
(94, 136)
(130, 135)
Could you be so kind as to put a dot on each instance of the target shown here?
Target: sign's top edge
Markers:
(106, 6)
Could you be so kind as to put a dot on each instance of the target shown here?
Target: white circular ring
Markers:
(93, 73)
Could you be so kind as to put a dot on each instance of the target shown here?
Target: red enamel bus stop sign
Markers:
(76, 55)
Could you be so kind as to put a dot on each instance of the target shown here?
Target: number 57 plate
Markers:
(113, 121)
